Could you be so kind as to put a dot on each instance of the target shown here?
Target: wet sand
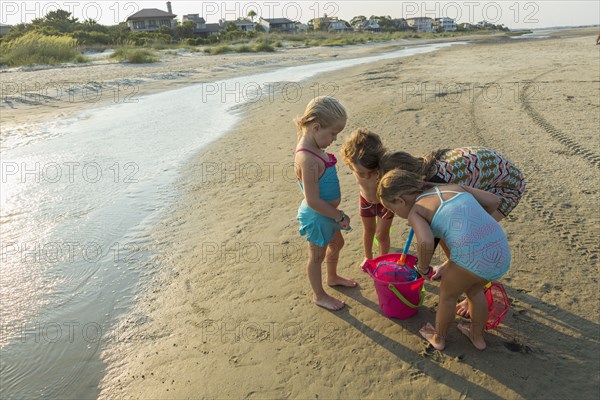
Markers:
(227, 313)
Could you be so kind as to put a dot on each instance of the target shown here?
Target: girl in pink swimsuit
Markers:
(319, 217)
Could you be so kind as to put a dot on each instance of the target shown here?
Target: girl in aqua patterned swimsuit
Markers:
(477, 167)
(462, 217)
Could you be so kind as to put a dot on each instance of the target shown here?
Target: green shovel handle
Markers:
(403, 299)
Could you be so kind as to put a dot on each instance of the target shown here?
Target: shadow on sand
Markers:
(525, 354)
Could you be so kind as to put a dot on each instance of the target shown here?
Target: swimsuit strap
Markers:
(328, 163)
(437, 190)
(439, 193)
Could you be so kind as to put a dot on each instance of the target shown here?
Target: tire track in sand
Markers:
(579, 240)
(564, 139)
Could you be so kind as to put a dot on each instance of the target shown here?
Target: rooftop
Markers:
(151, 13)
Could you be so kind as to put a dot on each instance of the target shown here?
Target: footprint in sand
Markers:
(415, 375)
(517, 347)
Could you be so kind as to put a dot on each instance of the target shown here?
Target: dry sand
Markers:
(229, 315)
(228, 311)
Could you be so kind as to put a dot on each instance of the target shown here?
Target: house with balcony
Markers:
(277, 25)
(151, 19)
(444, 25)
(420, 24)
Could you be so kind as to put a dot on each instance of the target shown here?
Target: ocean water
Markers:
(78, 198)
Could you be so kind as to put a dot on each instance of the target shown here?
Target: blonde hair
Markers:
(397, 182)
(324, 110)
(363, 147)
(424, 166)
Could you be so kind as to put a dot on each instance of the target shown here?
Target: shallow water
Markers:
(78, 199)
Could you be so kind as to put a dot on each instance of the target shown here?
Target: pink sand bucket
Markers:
(398, 298)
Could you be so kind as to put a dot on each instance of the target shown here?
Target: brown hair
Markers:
(423, 166)
(396, 183)
(324, 110)
(363, 147)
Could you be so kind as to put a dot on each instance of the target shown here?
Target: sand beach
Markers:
(226, 312)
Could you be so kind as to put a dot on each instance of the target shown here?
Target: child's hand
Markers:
(438, 271)
(388, 214)
(345, 223)
(426, 274)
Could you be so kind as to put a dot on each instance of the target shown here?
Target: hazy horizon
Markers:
(513, 14)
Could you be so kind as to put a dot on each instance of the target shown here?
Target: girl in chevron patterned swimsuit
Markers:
(478, 167)
(462, 217)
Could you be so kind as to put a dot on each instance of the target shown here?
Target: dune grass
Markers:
(255, 48)
(134, 56)
(35, 48)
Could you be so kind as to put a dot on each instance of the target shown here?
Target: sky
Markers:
(514, 14)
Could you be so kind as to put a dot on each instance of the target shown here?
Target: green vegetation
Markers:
(518, 33)
(58, 38)
(134, 56)
(257, 47)
(36, 48)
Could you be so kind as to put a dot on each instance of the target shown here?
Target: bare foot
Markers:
(328, 302)
(462, 309)
(465, 327)
(428, 332)
(339, 281)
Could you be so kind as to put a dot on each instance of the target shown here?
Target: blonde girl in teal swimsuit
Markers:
(462, 217)
(318, 215)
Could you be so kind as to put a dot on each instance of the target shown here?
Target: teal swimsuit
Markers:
(476, 241)
(318, 228)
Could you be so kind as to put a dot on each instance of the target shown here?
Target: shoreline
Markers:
(201, 301)
(35, 95)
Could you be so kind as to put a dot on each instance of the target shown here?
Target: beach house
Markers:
(277, 25)
(243, 25)
(301, 27)
(371, 25)
(444, 24)
(196, 19)
(485, 25)
(151, 19)
(202, 29)
(420, 24)
(400, 24)
(330, 24)
(4, 29)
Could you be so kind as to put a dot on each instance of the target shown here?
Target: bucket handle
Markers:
(403, 299)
